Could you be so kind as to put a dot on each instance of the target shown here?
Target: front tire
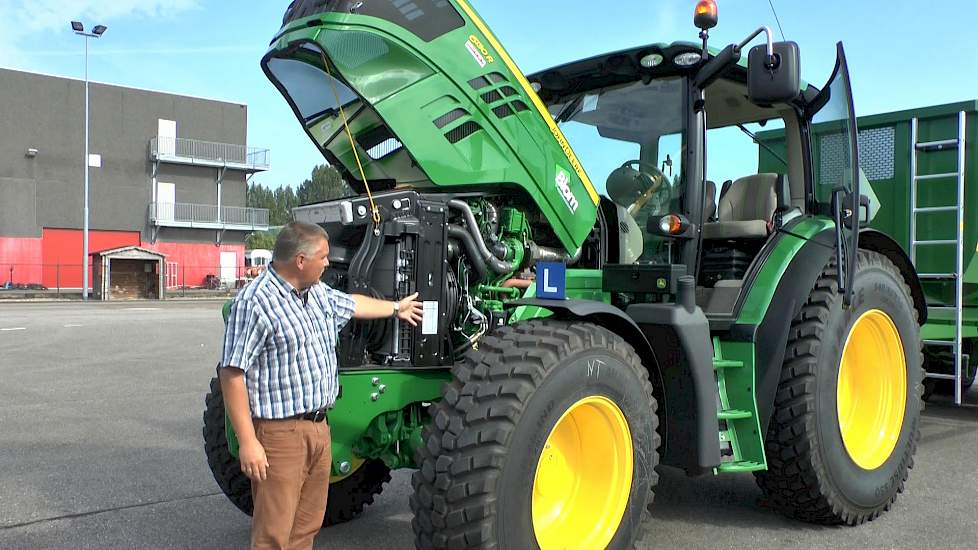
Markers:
(546, 438)
(844, 431)
(347, 497)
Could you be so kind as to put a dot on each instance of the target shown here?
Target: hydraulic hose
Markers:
(497, 265)
(459, 233)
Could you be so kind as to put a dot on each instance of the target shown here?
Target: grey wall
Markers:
(47, 113)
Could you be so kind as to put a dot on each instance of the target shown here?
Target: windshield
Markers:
(312, 91)
(322, 101)
(629, 138)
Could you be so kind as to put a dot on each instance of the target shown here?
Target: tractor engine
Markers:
(462, 254)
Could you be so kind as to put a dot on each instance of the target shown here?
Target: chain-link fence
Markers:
(65, 280)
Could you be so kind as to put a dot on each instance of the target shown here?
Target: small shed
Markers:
(128, 273)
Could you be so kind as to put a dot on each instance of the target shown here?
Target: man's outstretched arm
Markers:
(409, 309)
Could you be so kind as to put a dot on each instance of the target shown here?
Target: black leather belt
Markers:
(314, 416)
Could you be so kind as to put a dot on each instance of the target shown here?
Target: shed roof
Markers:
(129, 252)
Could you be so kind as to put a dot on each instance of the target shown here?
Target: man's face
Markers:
(311, 267)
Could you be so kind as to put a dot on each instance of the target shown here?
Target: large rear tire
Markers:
(347, 496)
(546, 438)
(845, 425)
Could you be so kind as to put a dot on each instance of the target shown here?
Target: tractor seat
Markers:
(746, 209)
(709, 202)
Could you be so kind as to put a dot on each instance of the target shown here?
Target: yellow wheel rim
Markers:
(872, 391)
(583, 477)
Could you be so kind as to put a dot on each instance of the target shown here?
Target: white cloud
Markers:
(43, 15)
(24, 18)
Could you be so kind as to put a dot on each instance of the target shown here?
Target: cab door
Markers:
(835, 148)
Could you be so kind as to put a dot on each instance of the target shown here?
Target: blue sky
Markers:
(901, 54)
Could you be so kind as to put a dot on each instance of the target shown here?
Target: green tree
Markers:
(283, 201)
(259, 196)
(325, 183)
(260, 239)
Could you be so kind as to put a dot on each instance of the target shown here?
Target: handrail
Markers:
(209, 151)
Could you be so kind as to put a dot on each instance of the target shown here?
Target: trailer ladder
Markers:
(957, 276)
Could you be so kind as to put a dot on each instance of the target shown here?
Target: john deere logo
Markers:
(563, 185)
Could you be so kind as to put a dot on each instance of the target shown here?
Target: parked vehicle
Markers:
(771, 335)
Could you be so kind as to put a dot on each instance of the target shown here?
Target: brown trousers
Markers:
(291, 502)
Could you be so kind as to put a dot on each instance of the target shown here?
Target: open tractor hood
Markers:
(431, 100)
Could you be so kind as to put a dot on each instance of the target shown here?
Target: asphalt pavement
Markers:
(100, 447)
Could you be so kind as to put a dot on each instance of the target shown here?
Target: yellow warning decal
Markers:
(541, 108)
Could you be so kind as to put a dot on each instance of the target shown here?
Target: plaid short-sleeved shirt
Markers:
(285, 342)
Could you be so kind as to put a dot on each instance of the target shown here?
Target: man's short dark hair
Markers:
(297, 238)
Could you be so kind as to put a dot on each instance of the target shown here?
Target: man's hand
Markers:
(410, 310)
(254, 463)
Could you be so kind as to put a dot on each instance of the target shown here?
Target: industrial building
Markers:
(168, 173)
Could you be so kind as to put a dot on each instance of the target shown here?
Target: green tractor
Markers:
(575, 341)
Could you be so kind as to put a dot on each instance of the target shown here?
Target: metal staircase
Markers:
(957, 276)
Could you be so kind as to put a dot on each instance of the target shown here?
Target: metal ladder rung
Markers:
(936, 209)
(938, 145)
(940, 376)
(943, 241)
(936, 176)
(948, 343)
(937, 275)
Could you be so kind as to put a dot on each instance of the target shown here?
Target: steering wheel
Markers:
(655, 189)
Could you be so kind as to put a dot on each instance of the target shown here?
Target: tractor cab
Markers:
(689, 188)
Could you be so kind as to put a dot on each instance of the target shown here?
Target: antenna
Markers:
(778, 21)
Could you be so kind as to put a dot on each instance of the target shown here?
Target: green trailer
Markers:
(921, 166)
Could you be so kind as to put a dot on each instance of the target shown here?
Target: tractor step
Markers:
(733, 414)
(740, 466)
(739, 437)
(726, 363)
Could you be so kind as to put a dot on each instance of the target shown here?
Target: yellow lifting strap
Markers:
(375, 212)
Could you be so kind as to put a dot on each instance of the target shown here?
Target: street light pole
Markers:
(96, 33)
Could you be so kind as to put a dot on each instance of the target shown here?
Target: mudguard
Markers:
(684, 383)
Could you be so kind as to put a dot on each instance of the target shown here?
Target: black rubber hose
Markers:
(497, 265)
(462, 235)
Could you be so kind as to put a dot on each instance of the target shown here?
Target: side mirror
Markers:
(773, 83)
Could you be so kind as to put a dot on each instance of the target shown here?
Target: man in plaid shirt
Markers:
(279, 378)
